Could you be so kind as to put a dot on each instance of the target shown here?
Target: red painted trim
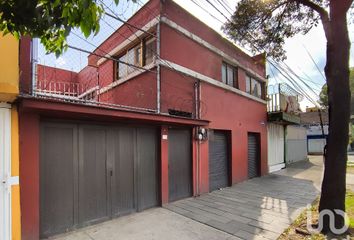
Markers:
(25, 65)
(164, 165)
(29, 175)
(194, 164)
(92, 112)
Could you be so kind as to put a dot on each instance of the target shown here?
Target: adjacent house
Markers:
(286, 137)
(11, 51)
(166, 109)
(316, 135)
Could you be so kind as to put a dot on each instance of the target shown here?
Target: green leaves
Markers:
(50, 20)
(263, 25)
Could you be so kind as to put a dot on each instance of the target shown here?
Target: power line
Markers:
(309, 54)
(222, 4)
(109, 58)
(227, 5)
(129, 24)
(217, 9)
(293, 82)
(289, 78)
(217, 19)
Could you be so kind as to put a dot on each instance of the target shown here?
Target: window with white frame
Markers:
(254, 87)
(140, 55)
(229, 75)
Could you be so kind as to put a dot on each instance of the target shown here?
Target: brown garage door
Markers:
(89, 173)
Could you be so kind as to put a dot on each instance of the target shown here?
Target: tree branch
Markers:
(320, 10)
(348, 4)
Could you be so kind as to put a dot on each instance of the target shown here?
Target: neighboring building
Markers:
(286, 138)
(316, 138)
(113, 139)
(9, 143)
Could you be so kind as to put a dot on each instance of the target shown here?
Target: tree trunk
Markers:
(337, 74)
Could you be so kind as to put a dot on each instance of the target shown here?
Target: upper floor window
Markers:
(229, 75)
(139, 55)
(254, 87)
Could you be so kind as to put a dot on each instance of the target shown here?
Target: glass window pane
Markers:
(223, 73)
(230, 75)
(248, 84)
(235, 77)
(259, 90)
(130, 60)
(150, 49)
(137, 55)
(122, 68)
(253, 87)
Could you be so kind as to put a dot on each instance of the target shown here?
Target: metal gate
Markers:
(90, 173)
(253, 155)
(218, 160)
(276, 145)
(5, 173)
(179, 164)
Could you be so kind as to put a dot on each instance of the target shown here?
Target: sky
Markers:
(305, 53)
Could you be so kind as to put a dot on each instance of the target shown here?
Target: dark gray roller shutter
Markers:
(253, 155)
(179, 164)
(218, 160)
(57, 182)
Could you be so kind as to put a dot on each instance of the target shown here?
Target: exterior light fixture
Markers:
(201, 134)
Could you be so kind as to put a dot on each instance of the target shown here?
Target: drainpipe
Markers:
(197, 91)
(158, 83)
(34, 56)
(285, 133)
(197, 162)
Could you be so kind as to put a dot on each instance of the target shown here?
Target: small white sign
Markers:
(164, 137)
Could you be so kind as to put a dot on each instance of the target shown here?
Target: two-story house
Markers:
(166, 109)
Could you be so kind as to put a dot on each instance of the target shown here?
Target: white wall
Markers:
(296, 144)
(315, 146)
(275, 147)
(317, 130)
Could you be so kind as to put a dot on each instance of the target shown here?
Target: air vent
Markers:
(179, 113)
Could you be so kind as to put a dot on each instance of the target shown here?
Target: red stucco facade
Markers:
(212, 106)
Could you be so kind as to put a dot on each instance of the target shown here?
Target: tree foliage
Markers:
(323, 96)
(265, 24)
(50, 20)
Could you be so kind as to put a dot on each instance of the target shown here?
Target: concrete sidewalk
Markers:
(260, 208)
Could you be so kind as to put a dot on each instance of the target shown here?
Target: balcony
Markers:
(67, 91)
(283, 104)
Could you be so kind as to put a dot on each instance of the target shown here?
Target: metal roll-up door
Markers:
(218, 160)
(179, 164)
(253, 155)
